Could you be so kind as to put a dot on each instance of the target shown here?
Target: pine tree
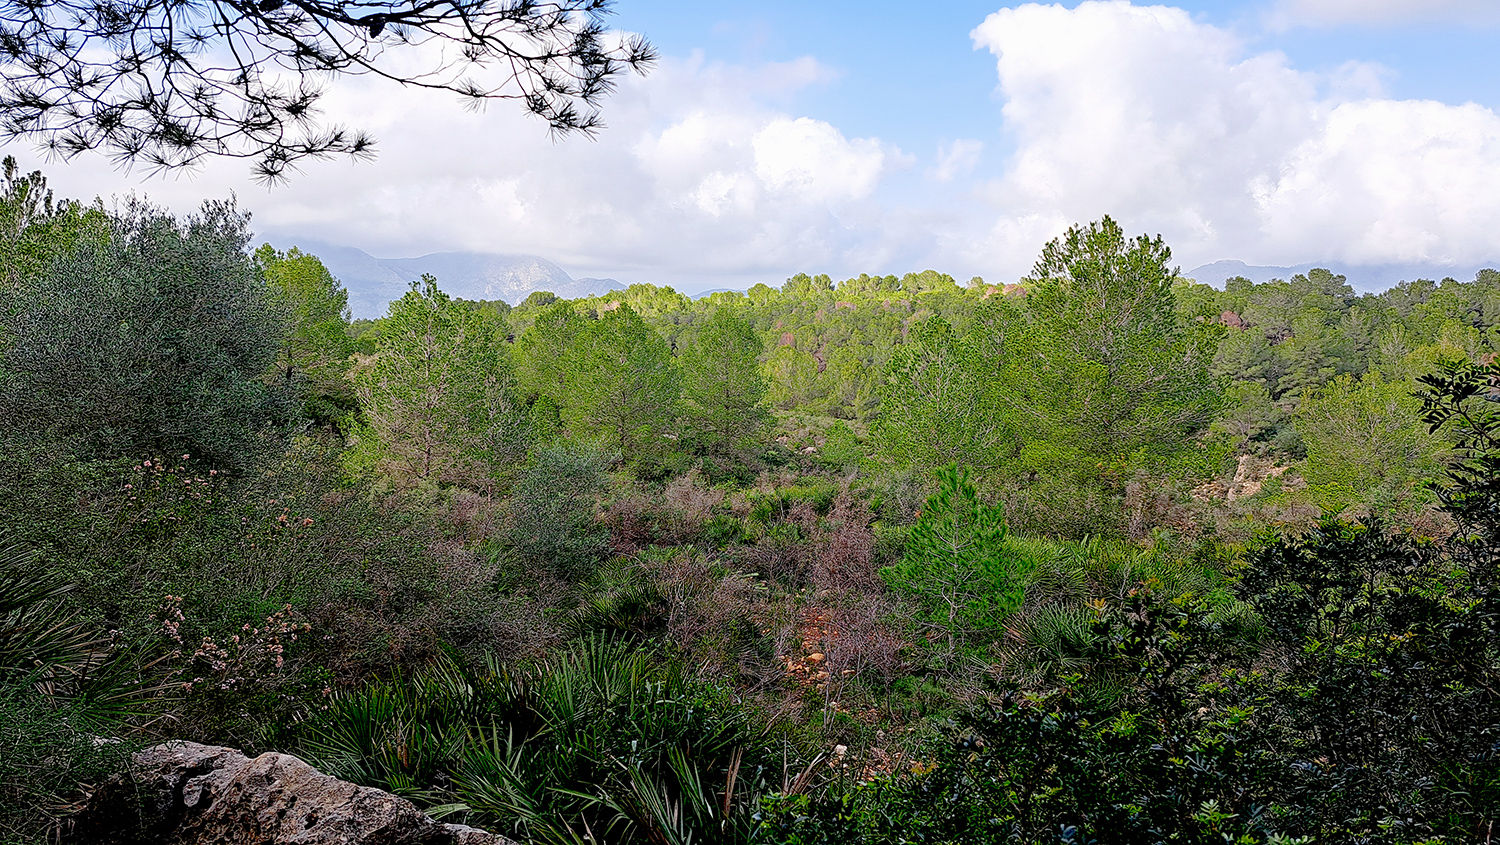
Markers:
(439, 399)
(622, 386)
(957, 566)
(723, 391)
(313, 359)
(936, 404)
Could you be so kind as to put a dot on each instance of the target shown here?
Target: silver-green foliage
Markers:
(149, 337)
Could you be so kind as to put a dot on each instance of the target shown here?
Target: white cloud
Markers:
(812, 160)
(1383, 12)
(1169, 125)
(707, 174)
(957, 159)
(696, 173)
(1392, 181)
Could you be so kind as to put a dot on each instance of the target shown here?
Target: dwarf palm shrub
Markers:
(602, 742)
(63, 687)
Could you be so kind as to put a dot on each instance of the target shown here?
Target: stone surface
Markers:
(184, 793)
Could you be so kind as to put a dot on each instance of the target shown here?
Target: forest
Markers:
(1100, 556)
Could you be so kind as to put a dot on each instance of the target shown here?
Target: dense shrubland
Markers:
(1104, 556)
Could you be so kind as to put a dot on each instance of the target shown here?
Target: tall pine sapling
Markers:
(957, 566)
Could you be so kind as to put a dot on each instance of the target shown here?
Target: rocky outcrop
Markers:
(183, 793)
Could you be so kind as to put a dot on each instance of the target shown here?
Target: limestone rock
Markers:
(190, 794)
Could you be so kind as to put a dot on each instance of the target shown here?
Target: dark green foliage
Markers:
(48, 748)
(634, 612)
(1460, 399)
(957, 567)
(600, 743)
(552, 524)
(39, 637)
(829, 562)
(1387, 662)
(149, 340)
(61, 688)
(1360, 707)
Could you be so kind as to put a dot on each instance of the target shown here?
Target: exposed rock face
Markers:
(190, 794)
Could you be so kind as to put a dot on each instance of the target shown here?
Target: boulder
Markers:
(183, 793)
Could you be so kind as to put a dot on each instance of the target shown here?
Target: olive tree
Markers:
(150, 336)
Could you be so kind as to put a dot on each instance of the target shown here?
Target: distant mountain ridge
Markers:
(1364, 278)
(373, 282)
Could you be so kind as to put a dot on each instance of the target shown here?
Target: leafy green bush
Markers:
(552, 510)
(1136, 748)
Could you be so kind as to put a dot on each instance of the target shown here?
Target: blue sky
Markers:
(779, 137)
(912, 75)
(910, 72)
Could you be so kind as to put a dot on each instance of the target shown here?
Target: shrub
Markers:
(845, 548)
(553, 525)
(957, 567)
(601, 742)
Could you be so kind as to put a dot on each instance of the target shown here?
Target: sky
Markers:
(777, 137)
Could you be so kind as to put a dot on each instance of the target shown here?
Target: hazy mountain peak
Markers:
(373, 282)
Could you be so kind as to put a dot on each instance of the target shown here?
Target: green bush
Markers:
(600, 741)
(552, 524)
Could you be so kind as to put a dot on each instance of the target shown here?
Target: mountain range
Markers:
(373, 282)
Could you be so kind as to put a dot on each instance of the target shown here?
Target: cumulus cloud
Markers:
(1170, 125)
(812, 160)
(1383, 12)
(707, 175)
(698, 171)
